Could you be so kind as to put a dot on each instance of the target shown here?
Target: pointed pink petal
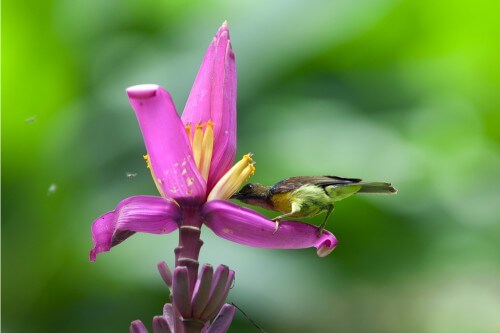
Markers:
(213, 97)
(225, 138)
(167, 144)
(223, 320)
(247, 227)
(154, 215)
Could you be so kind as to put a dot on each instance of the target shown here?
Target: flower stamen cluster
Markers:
(202, 144)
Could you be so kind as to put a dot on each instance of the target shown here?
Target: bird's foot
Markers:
(319, 232)
(276, 224)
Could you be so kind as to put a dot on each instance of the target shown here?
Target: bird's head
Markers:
(252, 192)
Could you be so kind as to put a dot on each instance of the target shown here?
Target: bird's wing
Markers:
(293, 183)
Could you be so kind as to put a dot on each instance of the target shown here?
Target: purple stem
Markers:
(186, 254)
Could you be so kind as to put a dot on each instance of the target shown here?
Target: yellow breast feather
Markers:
(281, 202)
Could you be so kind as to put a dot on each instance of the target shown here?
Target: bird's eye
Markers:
(250, 186)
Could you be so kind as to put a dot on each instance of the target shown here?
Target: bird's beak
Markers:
(237, 195)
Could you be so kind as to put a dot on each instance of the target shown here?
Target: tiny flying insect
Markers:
(30, 120)
(131, 175)
(52, 189)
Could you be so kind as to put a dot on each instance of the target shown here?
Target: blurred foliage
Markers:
(404, 91)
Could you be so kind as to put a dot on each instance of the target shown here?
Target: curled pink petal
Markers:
(213, 97)
(247, 227)
(170, 156)
(149, 214)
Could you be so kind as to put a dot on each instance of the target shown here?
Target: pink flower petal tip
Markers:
(327, 244)
(142, 91)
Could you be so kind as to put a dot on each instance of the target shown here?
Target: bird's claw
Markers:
(276, 225)
(319, 232)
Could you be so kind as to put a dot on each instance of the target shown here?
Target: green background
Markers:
(402, 91)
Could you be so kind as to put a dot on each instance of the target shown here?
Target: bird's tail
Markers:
(376, 187)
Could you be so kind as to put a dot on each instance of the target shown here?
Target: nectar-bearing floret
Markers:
(233, 179)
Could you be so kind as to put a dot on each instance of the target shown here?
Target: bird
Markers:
(307, 196)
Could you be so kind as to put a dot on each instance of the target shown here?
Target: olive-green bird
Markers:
(299, 197)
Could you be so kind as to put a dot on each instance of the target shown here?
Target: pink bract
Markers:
(212, 99)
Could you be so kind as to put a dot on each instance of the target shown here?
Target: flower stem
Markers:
(187, 252)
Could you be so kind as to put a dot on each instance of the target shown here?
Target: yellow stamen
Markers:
(207, 150)
(197, 144)
(233, 179)
(146, 158)
(188, 131)
(157, 181)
